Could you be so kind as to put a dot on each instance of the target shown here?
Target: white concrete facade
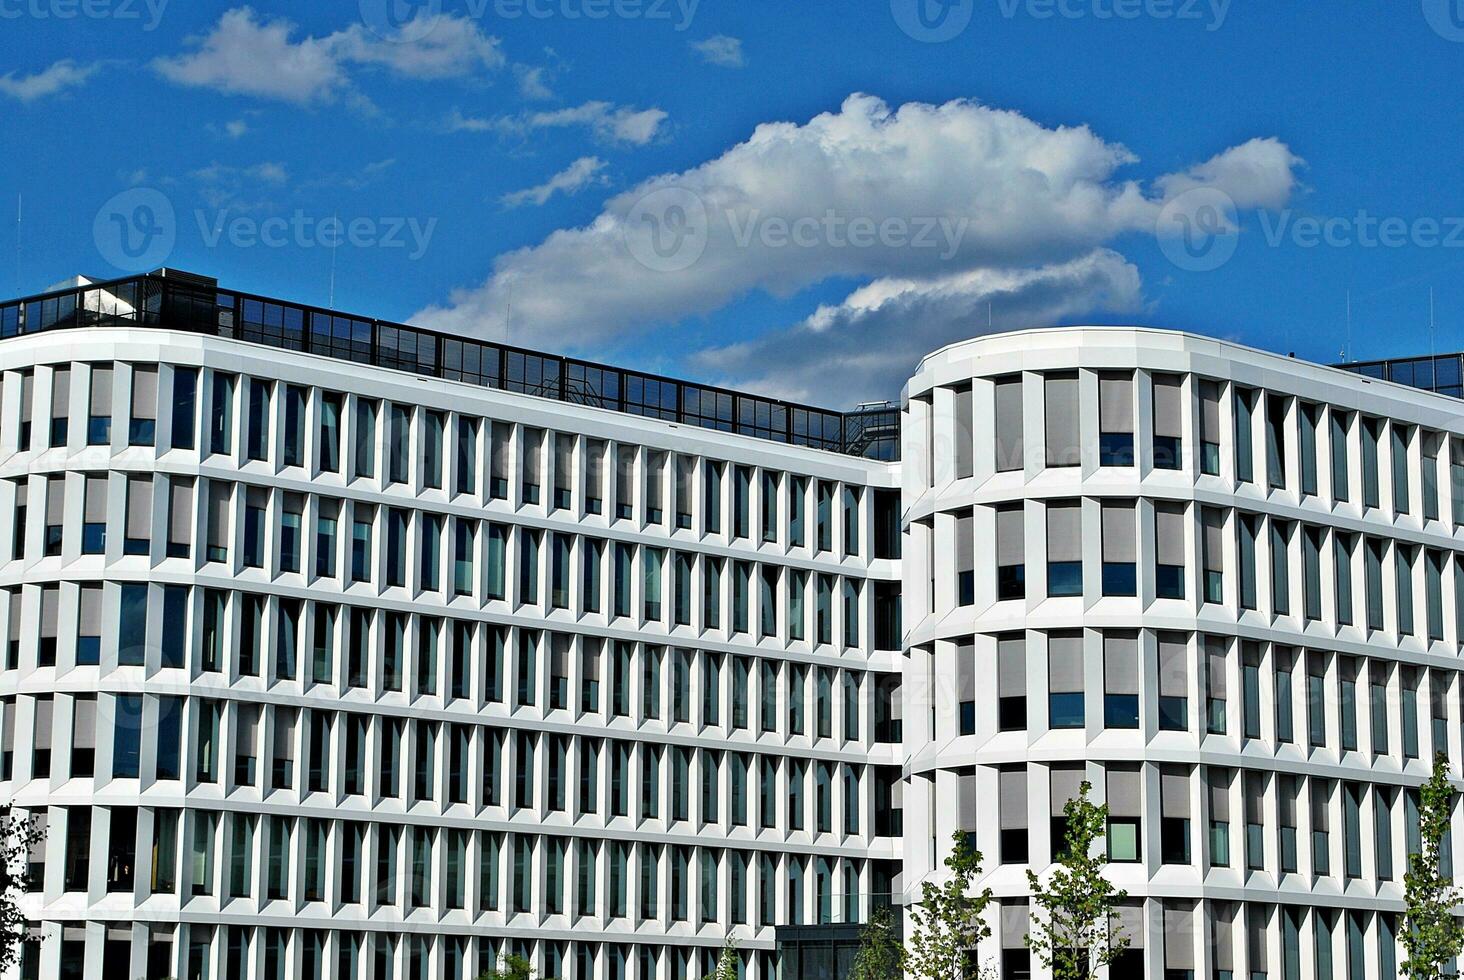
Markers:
(332, 670)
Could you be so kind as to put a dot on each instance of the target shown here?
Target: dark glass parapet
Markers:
(180, 301)
(1442, 373)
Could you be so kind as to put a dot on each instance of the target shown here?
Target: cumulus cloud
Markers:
(49, 81)
(868, 344)
(247, 55)
(608, 122)
(571, 180)
(533, 82)
(721, 50)
(922, 207)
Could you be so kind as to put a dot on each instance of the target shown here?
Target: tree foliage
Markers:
(948, 922)
(727, 962)
(1431, 935)
(18, 833)
(1074, 933)
(880, 951)
(511, 967)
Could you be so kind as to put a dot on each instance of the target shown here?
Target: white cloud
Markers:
(571, 180)
(247, 55)
(867, 345)
(986, 193)
(533, 83)
(721, 50)
(235, 128)
(218, 173)
(608, 122)
(50, 81)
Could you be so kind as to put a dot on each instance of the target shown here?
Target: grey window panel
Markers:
(1174, 791)
(60, 392)
(55, 499)
(1009, 442)
(1016, 922)
(498, 458)
(145, 393)
(94, 508)
(1287, 790)
(595, 466)
(1125, 794)
(1317, 792)
(1062, 420)
(965, 543)
(1173, 665)
(44, 721)
(50, 602)
(1169, 406)
(1179, 936)
(1011, 543)
(1169, 534)
(1064, 532)
(1065, 663)
(89, 611)
(962, 433)
(1218, 784)
(27, 393)
(966, 671)
(532, 451)
(966, 802)
(1065, 781)
(1255, 798)
(1119, 542)
(7, 730)
(1121, 663)
(101, 391)
(15, 613)
(564, 462)
(1011, 667)
(84, 722)
(1215, 658)
(180, 509)
(139, 508)
(1256, 938)
(218, 513)
(1116, 403)
(1214, 521)
(1012, 798)
(1131, 921)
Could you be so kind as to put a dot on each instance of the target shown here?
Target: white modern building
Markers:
(339, 649)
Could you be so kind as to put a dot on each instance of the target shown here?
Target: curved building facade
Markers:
(1221, 586)
(341, 649)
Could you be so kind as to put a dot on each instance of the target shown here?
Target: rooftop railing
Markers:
(174, 300)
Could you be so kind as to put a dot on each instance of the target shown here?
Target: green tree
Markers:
(1431, 935)
(880, 951)
(1075, 933)
(511, 967)
(948, 922)
(18, 834)
(727, 963)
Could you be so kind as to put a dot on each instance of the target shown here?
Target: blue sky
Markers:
(1047, 159)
